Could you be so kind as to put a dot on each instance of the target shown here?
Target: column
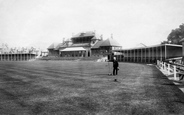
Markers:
(86, 53)
(123, 56)
(165, 52)
(134, 55)
(149, 52)
(160, 53)
(138, 55)
(130, 55)
(128, 59)
(153, 54)
(145, 55)
(156, 53)
(141, 55)
(126, 55)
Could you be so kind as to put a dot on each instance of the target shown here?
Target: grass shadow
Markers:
(170, 84)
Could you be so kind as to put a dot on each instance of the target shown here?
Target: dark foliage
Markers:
(176, 35)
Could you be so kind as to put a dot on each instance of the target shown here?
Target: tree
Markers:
(165, 42)
(176, 35)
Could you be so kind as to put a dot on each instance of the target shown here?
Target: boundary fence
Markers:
(172, 69)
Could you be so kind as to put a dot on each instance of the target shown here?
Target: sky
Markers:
(39, 23)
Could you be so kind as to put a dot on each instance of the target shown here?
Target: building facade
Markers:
(85, 44)
(17, 54)
(89, 44)
(150, 54)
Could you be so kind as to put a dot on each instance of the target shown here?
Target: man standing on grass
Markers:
(115, 66)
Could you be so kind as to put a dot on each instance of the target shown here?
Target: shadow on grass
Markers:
(177, 83)
(170, 84)
(102, 74)
(180, 101)
(159, 77)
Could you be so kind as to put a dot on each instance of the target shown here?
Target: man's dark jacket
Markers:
(115, 64)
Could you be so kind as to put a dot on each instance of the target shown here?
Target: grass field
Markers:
(84, 88)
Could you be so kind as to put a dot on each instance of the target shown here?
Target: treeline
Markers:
(175, 36)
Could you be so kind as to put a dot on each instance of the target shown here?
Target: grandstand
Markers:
(17, 54)
(149, 54)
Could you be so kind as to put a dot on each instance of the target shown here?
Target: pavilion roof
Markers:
(182, 40)
(87, 34)
(54, 46)
(110, 42)
(97, 45)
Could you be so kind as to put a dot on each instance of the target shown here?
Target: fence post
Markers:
(174, 72)
(161, 63)
(158, 63)
(168, 69)
(165, 66)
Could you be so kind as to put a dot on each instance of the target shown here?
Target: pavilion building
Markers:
(85, 44)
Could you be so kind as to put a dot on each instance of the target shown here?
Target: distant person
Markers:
(115, 66)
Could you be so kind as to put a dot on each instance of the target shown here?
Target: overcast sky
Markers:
(40, 23)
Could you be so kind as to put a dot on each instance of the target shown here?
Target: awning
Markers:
(118, 53)
(73, 49)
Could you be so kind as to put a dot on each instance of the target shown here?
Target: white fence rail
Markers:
(171, 69)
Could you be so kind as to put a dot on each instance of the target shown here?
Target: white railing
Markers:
(170, 68)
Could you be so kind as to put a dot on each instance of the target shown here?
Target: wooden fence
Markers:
(172, 69)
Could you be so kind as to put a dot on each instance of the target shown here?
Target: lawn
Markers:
(84, 88)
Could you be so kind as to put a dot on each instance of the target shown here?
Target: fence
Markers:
(172, 69)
